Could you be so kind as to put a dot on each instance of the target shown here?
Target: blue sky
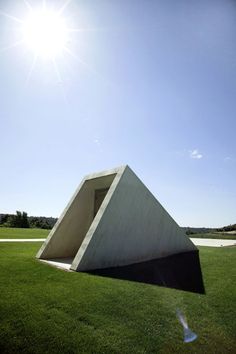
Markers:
(151, 84)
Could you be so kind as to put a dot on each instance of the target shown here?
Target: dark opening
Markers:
(98, 198)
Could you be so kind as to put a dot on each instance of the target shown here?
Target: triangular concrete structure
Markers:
(113, 220)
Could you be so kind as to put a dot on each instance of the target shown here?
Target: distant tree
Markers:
(227, 228)
(21, 219)
(18, 220)
(24, 220)
(189, 231)
(11, 221)
(42, 222)
(4, 218)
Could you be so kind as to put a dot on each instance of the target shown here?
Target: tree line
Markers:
(200, 230)
(227, 228)
(22, 220)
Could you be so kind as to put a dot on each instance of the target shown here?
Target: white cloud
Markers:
(194, 154)
(98, 143)
(229, 159)
(97, 140)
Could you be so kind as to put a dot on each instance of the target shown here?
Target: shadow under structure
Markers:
(179, 271)
(113, 226)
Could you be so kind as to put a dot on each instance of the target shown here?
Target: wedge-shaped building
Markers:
(113, 220)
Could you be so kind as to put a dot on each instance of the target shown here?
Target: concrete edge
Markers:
(98, 217)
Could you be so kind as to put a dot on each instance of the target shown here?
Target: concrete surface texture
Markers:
(125, 226)
(67, 235)
(211, 242)
(62, 263)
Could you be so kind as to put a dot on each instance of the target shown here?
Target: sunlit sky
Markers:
(151, 84)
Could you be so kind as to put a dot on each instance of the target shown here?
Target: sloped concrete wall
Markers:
(68, 234)
(133, 228)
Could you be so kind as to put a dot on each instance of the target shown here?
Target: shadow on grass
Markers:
(181, 271)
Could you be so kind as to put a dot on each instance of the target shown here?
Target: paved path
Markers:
(22, 239)
(64, 263)
(211, 242)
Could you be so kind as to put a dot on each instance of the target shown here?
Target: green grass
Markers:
(8, 232)
(46, 310)
(215, 235)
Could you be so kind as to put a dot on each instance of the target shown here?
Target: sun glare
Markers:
(45, 33)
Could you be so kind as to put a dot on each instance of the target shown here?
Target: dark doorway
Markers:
(98, 198)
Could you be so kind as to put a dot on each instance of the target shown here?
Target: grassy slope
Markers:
(215, 235)
(46, 310)
(8, 232)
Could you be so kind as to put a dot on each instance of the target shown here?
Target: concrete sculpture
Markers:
(113, 220)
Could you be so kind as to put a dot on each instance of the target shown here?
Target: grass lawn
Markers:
(215, 235)
(46, 310)
(9, 232)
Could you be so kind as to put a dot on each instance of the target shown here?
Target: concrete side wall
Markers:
(133, 228)
(68, 234)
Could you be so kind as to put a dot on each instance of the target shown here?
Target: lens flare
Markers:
(189, 335)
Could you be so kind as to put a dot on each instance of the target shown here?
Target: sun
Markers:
(45, 33)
